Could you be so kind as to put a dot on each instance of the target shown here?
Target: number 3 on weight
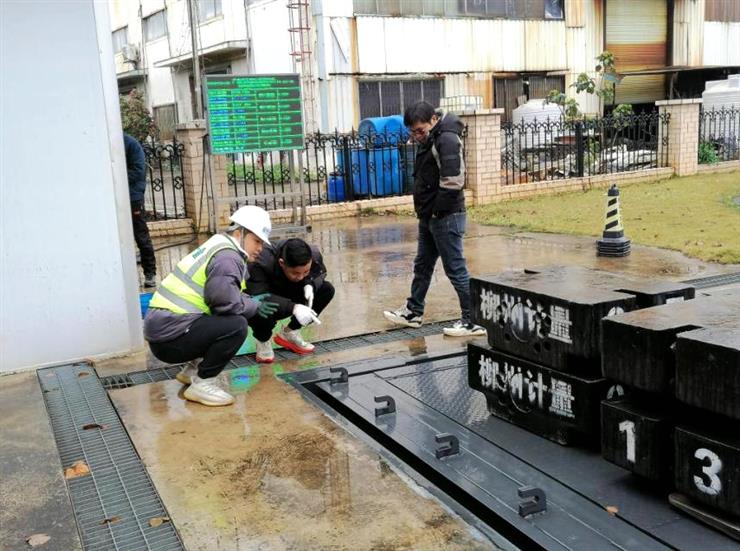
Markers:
(708, 482)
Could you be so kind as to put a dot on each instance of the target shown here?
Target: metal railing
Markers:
(719, 135)
(535, 150)
(164, 198)
(336, 167)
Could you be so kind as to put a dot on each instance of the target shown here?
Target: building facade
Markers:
(367, 58)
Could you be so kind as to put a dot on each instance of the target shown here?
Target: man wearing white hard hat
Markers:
(200, 310)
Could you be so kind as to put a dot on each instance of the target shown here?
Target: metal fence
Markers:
(534, 151)
(336, 167)
(719, 135)
(165, 192)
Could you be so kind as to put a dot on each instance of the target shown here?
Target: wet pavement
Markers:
(271, 472)
(33, 496)
(369, 260)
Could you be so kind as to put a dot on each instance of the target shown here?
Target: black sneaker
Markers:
(403, 316)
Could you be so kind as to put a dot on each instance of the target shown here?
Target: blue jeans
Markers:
(441, 237)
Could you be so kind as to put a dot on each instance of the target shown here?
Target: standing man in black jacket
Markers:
(294, 275)
(439, 177)
(136, 168)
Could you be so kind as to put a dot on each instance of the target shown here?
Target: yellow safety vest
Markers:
(181, 291)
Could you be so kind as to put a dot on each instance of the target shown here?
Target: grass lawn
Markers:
(695, 215)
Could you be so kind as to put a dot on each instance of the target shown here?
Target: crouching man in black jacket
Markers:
(294, 275)
(439, 177)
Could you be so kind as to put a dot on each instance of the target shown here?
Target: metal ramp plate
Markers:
(496, 459)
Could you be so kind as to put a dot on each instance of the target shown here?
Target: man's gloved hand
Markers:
(265, 309)
(305, 315)
(308, 293)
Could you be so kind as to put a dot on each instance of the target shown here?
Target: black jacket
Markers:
(136, 166)
(438, 182)
(266, 276)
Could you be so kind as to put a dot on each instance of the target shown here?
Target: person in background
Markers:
(201, 309)
(136, 167)
(294, 275)
(439, 202)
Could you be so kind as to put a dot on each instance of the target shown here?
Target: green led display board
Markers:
(254, 113)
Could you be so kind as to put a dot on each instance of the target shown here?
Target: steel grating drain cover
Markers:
(322, 347)
(116, 501)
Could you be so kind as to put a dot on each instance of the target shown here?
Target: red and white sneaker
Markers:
(263, 352)
(293, 341)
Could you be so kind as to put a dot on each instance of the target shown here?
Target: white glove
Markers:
(308, 293)
(305, 315)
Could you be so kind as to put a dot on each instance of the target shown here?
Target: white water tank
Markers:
(722, 93)
(539, 111)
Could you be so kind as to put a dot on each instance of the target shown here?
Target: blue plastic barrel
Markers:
(379, 174)
(336, 188)
(376, 168)
(389, 130)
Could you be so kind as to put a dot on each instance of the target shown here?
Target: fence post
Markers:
(483, 153)
(580, 150)
(349, 191)
(196, 188)
(679, 144)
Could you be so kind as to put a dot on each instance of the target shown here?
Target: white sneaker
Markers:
(206, 392)
(460, 329)
(263, 352)
(187, 372)
(403, 316)
(292, 340)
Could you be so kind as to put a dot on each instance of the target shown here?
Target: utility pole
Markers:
(193, 21)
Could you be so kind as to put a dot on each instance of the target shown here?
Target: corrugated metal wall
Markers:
(721, 43)
(584, 41)
(389, 45)
(722, 10)
(637, 35)
(471, 84)
(688, 32)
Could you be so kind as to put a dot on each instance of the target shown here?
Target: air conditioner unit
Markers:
(130, 53)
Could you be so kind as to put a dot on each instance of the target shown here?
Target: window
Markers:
(120, 39)
(155, 26)
(502, 9)
(381, 98)
(208, 9)
(165, 117)
(509, 93)
(554, 9)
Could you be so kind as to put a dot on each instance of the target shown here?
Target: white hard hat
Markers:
(254, 219)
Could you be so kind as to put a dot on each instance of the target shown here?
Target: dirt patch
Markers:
(302, 457)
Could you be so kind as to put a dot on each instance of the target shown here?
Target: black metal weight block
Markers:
(708, 467)
(341, 375)
(533, 500)
(638, 347)
(553, 316)
(449, 445)
(637, 438)
(389, 407)
(708, 369)
(552, 404)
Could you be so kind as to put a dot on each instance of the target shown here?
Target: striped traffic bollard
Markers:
(613, 241)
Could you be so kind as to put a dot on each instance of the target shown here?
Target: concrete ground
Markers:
(271, 472)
